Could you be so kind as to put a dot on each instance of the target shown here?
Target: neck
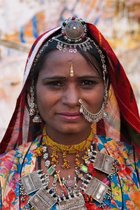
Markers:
(69, 138)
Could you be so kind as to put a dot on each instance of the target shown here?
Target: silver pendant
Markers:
(76, 203)
(97, 189)
(42, 200)
(104, 163)
(31, 182)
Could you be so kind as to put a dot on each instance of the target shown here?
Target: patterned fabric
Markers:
(125, 184)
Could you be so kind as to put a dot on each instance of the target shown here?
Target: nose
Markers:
(71, 96)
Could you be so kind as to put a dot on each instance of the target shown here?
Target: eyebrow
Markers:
(53, 78)
(64, 78)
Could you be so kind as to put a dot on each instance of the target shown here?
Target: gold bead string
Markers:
(66, 149)
(69, 149)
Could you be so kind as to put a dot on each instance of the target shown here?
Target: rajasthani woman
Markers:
(74, 139)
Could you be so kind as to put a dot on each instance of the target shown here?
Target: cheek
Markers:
(46, 102)
(43, 100)
(95, 99)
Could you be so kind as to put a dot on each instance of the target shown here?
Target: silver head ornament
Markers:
(73, 35)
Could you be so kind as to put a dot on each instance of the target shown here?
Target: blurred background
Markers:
(22, 21)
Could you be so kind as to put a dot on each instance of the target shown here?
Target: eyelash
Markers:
(55, 84)
(85, 84)
(88, 83)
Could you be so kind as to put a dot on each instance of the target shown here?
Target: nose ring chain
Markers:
(89, 116)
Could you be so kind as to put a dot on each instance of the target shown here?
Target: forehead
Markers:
(59, 62)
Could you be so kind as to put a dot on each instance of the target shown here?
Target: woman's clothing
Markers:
(124, 184)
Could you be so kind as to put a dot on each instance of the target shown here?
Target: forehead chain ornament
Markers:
(74, 36)
(73, 33)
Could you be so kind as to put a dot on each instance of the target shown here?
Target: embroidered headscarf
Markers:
(123, 122)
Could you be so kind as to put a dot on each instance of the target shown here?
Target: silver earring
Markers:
(89, 116)
(33, 110)
(36, 118)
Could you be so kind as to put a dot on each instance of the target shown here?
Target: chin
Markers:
(71, 130)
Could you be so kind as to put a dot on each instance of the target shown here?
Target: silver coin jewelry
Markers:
(45, 196)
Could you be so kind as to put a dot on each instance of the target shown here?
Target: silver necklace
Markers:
(44, 198)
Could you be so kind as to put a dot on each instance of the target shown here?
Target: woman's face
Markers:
(58, 93)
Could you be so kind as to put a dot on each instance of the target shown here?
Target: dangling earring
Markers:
(33, 110)
(36, 118)
(89, 116)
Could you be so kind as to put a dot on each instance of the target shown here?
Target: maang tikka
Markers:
(33, 109)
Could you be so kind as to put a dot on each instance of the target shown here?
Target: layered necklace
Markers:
(74, 191)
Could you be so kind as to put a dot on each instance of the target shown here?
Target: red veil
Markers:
(124, 112)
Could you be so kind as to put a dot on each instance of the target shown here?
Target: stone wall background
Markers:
(21, 21)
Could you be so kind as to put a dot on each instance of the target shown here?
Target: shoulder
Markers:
(118, 149)
(125, 155)
(113, 144)
(19, 151)
(11, 158)
(14, 158)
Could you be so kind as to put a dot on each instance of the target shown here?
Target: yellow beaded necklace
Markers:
(70, 149)
(66, 149)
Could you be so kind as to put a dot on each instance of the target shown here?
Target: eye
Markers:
(55, 84)
(86, 83)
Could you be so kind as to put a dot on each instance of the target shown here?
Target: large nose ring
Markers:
(89, 116)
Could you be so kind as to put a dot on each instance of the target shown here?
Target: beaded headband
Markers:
(74, 36)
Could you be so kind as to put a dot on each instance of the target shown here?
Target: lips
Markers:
(70, 116)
